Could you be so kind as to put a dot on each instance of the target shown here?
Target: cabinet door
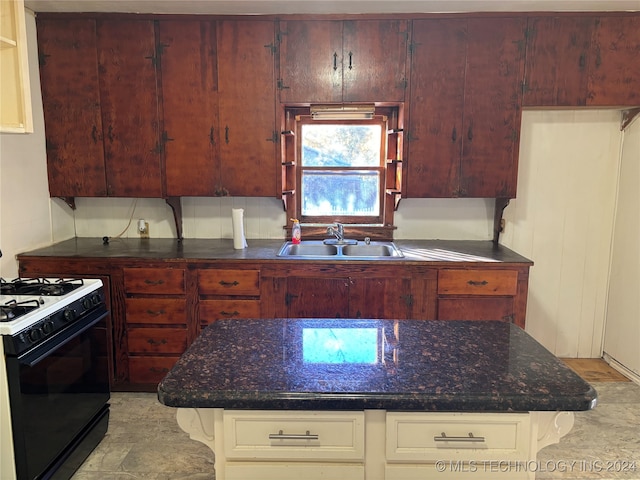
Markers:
(310, 61)
(190, 108)
(127, 59)
(557, 61)
(614, 74)
(492, 107)
(374, 57)
(380, 298)
(317, 297)
(71, 103)
(248, 136)
(436, 106)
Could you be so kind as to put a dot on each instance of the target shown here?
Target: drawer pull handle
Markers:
(154, 282)
(151, 341)
(293, 436)
(229, 284)
(477, 284)
(229, 314)
(155, 313)
(443, 438)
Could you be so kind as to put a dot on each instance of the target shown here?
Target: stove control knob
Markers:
(47, 327)
(69, 315)
(35, 334)
(96, 299)
(86, 303)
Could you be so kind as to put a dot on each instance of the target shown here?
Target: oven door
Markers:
(57, 391)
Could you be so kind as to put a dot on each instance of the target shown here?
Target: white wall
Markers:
(622, 332)
(25, 214)
(562, 219)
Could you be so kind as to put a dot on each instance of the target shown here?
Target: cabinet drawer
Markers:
(154, 280)
(150, 369)
(211, 310)
(157, 340)
(477, 282)
(229, 282)
(294, 435)
(419, 438)
(476, 308)
(156, 310)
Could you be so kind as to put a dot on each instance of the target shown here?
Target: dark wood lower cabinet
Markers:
(158, 307)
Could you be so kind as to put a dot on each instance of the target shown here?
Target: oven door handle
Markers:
(45, 349)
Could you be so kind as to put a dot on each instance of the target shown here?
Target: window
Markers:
(342, 170)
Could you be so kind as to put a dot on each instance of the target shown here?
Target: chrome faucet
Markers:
(337, 231)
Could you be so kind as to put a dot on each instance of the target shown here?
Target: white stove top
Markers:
(48, 305)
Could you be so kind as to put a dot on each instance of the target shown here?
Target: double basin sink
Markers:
(335, 250)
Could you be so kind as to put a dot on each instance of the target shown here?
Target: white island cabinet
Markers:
(356, 399)
(373, 444)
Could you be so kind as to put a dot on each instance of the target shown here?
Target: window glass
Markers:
(341, 170)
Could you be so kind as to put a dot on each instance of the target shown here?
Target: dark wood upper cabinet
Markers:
(71, 102)
(557, 61)
(331, 61)
(465, 107)
(583, 61)
(127, 61)
(249, 139)
(614, 72)
(492, 107)
(436, 106)
(190, 107)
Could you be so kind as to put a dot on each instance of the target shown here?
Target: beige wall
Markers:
(562, 219)
(622, 331)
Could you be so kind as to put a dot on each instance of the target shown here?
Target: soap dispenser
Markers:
(296, 233)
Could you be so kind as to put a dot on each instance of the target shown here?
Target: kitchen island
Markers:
(372, 399)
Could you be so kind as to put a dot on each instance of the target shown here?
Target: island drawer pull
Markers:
(443, 438)
(293, 436)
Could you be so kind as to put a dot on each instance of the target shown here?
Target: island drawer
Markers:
(156, 310)
(154, 280)
(211, 310)
(416, 438)
(293, 435)
(477, 282)
(217, 281)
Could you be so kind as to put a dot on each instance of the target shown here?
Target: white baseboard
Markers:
(613, 363)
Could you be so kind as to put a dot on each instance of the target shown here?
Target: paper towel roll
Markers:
(237, 219)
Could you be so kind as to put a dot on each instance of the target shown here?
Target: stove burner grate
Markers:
(12, 309)
(39, 286)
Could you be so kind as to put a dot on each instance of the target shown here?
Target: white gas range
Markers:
(52, 365)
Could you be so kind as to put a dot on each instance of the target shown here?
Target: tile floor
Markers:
(145, 442)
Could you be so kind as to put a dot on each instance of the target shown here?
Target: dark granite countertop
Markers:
(346, 364)
(433, 251)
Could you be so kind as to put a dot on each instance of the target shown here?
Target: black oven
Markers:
(59, 394)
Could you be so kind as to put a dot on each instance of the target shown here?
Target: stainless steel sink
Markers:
(307, 249)
(352, 250)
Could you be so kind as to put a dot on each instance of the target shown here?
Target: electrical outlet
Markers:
(144, 233)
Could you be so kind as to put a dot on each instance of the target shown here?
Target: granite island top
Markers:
(168, 249)
(348, 364)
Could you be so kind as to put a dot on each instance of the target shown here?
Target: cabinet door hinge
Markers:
(166, 138)
(525, 87)
(274, 137)
(158, 149)
(271, 47)
(408, 300)
(281, 85)
(42, 59)
(412, 47)
(288, 298)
